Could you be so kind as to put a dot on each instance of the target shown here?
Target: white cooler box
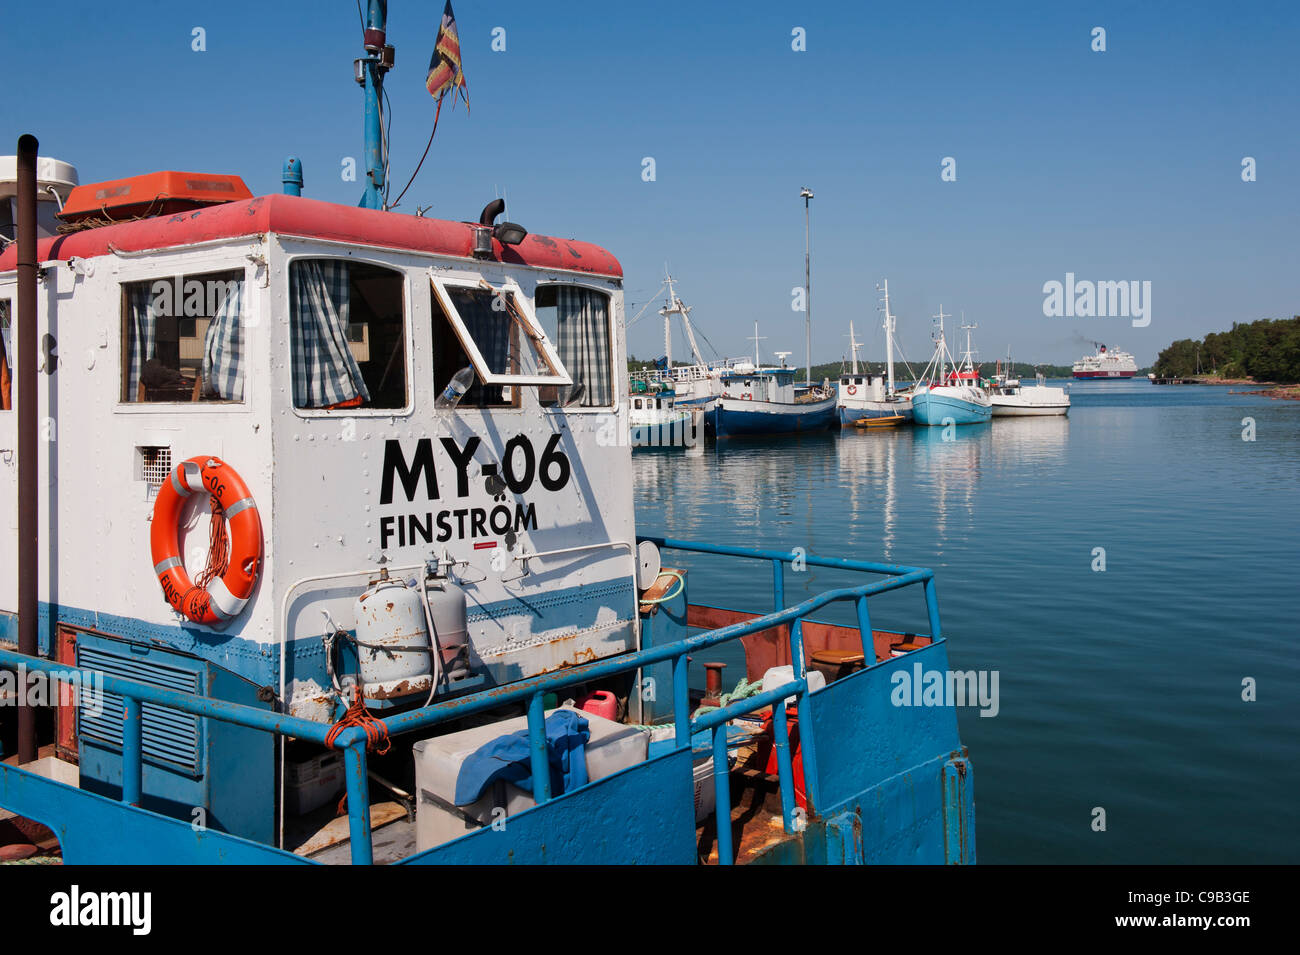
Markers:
(612, 746)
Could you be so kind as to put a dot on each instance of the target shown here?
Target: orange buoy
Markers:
(224, 596)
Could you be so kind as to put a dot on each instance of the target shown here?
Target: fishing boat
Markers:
(655, 421)
(696, 384)
(758, 401)
(1106, 363)
(350, 529)
(950, 396)
(1012, 399)
(873, 396)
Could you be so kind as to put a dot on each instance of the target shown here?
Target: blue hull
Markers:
(931, 409)
(733, 418)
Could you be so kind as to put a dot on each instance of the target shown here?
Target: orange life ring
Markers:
(224, 597)
(852, 389)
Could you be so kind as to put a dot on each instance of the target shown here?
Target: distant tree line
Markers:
(1267, 350)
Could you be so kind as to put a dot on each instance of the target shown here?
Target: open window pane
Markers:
(499, 335)
(183, 338)
(348, 335)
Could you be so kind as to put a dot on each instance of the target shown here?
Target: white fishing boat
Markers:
(655, 421)
(950, 397)
(863, 396)
(696, 384)
(1012, 399)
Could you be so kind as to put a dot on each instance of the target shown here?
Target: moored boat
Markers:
(761, 402)
(1012, 399)
(947, 397)
(864, 395)
(350, 503)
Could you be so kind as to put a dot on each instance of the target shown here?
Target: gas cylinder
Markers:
(393, 647)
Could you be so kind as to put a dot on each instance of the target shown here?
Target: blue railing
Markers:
(532, 691)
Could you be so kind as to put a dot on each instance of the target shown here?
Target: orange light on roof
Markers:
(157, 193)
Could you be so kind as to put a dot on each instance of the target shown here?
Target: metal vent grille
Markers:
(171, 738)
(154, 463)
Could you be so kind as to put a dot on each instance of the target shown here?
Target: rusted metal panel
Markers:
(771, 648)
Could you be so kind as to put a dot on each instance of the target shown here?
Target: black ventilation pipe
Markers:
(25, 368)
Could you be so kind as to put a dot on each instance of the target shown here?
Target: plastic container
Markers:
(311, 783)
(603, 703)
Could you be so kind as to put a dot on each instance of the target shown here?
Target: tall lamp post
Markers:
(806, 194)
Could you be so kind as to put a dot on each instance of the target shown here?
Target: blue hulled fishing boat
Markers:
(372, 536)
(950, 396)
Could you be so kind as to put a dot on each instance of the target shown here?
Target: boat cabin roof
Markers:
(315, 219)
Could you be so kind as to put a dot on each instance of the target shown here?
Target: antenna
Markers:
(783, 355)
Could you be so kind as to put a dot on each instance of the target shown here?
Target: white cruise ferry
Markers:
(1106, 363)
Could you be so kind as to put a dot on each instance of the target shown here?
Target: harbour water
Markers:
(1121, 688)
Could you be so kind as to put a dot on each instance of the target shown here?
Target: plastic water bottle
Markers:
(456, 388)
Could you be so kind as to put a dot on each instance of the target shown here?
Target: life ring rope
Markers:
(222, 591)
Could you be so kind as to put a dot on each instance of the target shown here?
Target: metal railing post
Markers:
(778, 584)
(807, 750)
(681, 702)
(722, 795)
(932, 608)
(541, 764)
(865, 631)
(132, 751)
(354, 772)
(784, 768)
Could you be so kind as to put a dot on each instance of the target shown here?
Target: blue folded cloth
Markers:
(508, 758)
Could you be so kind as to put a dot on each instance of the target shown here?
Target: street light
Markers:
(806, 194)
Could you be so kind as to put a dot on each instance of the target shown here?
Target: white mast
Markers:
(970, 366)
(756, 338)
(943, 348)
(853, 347)
(889, 336)
(676, 306)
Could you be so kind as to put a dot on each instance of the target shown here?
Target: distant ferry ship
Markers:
(1105, 364)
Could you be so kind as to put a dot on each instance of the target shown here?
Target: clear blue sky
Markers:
(1117, 165)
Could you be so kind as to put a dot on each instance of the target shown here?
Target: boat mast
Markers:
(853, 348)
(756, 338)
(966, 359)
(943, 347)
(667, 311)
(370, 73)
(889, 337)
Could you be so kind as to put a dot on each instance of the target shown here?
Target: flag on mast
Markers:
(445, 73)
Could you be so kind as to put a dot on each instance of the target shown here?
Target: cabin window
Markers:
(494, 331)
(183, 338)
(348, 335)
(6, 345)
(577, 320)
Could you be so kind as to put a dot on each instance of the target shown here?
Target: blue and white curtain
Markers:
(324, 370)
(582, 340)
(142, 324)
(223, 347)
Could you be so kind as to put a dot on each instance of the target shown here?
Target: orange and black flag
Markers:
(445, 73)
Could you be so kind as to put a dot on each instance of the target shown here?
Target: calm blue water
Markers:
(1120, 689)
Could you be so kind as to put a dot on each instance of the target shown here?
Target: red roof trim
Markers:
(314, 219)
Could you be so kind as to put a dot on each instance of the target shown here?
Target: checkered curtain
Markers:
(324, 371)
(141, 327)
(582, 332)
(223, 348)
